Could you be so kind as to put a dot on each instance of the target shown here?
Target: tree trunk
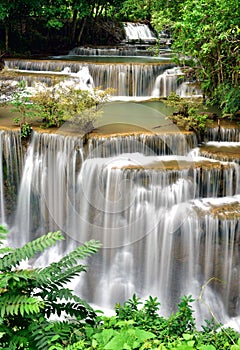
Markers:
(74, 25)
(81, 30)
(6, 37)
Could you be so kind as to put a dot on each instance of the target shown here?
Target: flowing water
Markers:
(166, 212)
(168, 219)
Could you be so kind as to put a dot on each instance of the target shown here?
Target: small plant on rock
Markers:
(188, 116)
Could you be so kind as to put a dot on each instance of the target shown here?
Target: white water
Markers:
(139, 32)
(154, 219)
(126, 80)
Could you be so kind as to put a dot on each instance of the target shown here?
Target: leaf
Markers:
(55, 337)
(13, 305)
(187, 336)
(104, 337)
(29, 250)
(143, 335)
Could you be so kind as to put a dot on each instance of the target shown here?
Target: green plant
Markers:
(29, 297)
(129, 310)
(188, 116)
(80, 107)
(182, 321)
(24, 108)
(56, 105)
(228, 98)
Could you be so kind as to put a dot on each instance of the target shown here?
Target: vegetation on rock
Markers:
(58, 104)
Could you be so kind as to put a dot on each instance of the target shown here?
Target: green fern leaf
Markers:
(3, 233)
(53, 280)
(5, 250)
(7, 262)
(19, 305)
(57, 274)
(80, 253)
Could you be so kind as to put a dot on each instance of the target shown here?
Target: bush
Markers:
(58, 104)
(28, 297)
(188, 116)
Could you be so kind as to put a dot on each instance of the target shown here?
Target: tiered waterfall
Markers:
(168, 220)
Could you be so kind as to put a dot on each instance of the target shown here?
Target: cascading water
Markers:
(11, 166)
(167, 82)
(160, 217)
(48, 179)
(125, 80)
(139, 32)
(166, 213)
(129, 50)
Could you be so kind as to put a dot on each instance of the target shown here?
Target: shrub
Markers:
(28, 297)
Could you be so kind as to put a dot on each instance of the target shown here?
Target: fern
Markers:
(3, 238)
(16, 279)
(80, 253)
(47, 335)
(19, 305)
(28, 297)
(60, 278)
(3, 234)
(29, 250)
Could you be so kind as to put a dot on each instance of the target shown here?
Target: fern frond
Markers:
(17, 341)
(7, 262)
(3, 234)
(61, 272)
(19, 305)
(67, 295)
(80, 253)
(63, 293)
(45, 334)
(50, 280)
(70, 309)
(5, 250)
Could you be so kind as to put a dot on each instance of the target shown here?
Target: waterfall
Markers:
(148, 144)
(222, 134)
(167, 82)
(187, 89)
(130, 50)
(11, 164)
(125, 80)
(47, 184)
(139, 32)
(2, 206)
(168, 221)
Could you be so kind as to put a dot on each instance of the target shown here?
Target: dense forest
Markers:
(206, 33)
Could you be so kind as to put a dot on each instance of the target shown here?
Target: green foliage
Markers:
(176, 332)
(228, 98)
(135, 10)
(188, 116)
(28, 297)
(22, 105)
(58, 104)
(207, 33)
(125, 338)
(82, 107)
